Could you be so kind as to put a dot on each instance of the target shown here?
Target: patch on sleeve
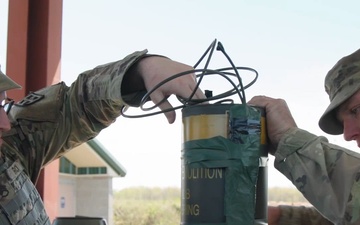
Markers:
(42, 105)
(30, 99)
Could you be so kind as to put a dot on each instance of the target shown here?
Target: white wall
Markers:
(67, 196)
(94, 197)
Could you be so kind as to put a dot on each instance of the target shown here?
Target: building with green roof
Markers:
(85, 182)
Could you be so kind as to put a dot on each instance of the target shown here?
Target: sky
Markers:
(291, 44)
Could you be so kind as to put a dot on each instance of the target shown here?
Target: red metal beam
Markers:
(33, 60)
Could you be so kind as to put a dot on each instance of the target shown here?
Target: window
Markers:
(66, 166)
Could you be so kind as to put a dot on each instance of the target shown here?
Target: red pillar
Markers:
(33, 60)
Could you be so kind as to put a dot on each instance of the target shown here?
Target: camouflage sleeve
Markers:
(92, 103)
(301, 215)
(326, 174)
(63, 117)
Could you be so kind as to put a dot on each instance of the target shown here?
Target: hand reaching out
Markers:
(154, 70)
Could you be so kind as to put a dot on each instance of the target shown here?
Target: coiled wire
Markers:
(232, 71)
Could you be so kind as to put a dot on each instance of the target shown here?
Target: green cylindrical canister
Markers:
(224, 165)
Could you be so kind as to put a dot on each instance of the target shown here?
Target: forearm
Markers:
(324, 173)
(65, 117)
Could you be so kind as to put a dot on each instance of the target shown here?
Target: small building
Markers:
(85, 181)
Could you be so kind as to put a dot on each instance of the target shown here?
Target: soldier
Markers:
(326, 174)
(48, 123)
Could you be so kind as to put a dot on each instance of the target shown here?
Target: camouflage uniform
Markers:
(326, 174)
(47, 124)
(321, 172)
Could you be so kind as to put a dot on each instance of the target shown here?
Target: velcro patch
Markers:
(30, 99)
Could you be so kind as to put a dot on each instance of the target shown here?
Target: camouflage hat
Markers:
(341, 82)
(6, 83)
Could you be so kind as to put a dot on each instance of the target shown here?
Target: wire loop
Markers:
(238, 89)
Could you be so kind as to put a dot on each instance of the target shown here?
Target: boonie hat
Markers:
(6, 83)
(341, 82)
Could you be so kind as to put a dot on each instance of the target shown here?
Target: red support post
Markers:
(34, 61)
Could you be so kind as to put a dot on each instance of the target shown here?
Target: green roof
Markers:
(106, 156)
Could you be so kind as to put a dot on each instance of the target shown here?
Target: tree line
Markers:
(161, 206)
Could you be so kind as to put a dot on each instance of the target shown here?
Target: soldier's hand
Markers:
(278, 118)
(274, 213)
(155, 69)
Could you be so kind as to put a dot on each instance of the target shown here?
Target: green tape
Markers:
(239, 154)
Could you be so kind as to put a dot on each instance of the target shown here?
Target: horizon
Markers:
(292, 45)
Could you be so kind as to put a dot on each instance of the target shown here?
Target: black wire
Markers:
(220, 47)
(238, 89)
(211, 49)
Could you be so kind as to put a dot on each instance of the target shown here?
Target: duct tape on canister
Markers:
(224, 165)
